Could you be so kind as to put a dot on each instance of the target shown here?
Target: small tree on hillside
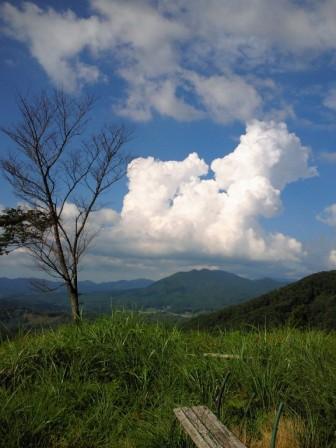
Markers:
(21, 227)
(54, 162)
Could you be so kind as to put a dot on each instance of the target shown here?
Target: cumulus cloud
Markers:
(161, 49)
(146, 97)
(180, 214)
(254, 27)
(55, 40)
(330, 99)
(114, 26)
(269, 151)
(174, 207)
(226, 98)
(328, 215)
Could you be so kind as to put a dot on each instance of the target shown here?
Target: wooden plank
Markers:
(191, 425)
(202, 429)
(219, 355)
(205, 429)
(222, 355)
(220, 432)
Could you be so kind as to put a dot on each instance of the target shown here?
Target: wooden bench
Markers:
(205, 429)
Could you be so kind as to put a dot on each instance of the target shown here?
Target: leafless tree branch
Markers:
(56, 162)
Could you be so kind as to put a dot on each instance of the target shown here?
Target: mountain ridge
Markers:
(195, 291)
(308, 302)
(191, 291)
(25, 285)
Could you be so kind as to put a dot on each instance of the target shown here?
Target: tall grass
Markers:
(115, 382)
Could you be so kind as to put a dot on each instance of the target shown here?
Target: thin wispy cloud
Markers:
(330, 99)
(328, 156)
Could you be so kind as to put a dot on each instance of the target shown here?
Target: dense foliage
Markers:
(310, 302)
(114, 383)
(21, 227)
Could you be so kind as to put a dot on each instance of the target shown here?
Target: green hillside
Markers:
(194, 291)
(16, 318)
(309, 302)
(114, 383)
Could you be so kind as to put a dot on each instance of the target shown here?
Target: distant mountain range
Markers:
(193, 291)
(23, 306)
(309, 302)
(25, 286)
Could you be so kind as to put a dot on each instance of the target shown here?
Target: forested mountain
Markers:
(196, 290)
(309, 302)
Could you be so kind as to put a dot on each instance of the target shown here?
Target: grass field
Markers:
(115, 382)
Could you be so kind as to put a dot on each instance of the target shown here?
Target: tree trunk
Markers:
(74, 301)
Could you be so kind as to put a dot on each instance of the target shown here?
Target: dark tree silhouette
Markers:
(56, 161)
(21, 227)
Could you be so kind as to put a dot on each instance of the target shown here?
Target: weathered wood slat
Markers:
(220, 432)
(205, 430)
(201, 428)
(190, 428)
(222, 355)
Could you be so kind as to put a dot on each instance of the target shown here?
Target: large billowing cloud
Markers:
(183, 59)
(178, 214)
(175, 207)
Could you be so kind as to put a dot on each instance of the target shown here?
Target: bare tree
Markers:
(56, 162)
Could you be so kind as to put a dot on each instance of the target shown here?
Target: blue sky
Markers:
(193, 77)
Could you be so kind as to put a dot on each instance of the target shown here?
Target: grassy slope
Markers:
(309, 302)
(115, 382)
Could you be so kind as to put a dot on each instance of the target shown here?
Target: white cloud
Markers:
(148, 96)
(251, 28)
(171, 209)
(55, 40)
(149, 35)
(267, 150)
(328, 215)
(332, 259)
(175, 210)
(181, 214)
(181, 59)
(226, 98)
(330, 99)
(328, 156)
(17, 264)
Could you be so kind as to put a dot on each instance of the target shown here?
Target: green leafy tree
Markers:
(21, 227)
